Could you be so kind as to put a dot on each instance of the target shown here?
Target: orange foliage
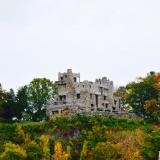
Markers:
(59, 154)
(150, 104)
(129, 146)
(157, 78)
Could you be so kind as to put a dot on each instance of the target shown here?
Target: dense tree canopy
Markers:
(29, 102)
(22, 102)
(8, 109)
(120, 92)
(37, 93)
(143, 96)
(80, 137)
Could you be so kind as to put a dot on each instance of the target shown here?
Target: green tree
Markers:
(2, 101)
(38, 92)
(151, 147)
(139, 93)
(22, 101)
(7, 105)
(120, 92)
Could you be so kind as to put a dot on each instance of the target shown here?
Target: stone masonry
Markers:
(75, 96)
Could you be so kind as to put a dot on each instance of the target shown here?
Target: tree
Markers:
(143, 96)
(38, 92)
(120, 92)
(2, 103)
(22, 101)
(59, 153)
(151, 146)
(7, 105)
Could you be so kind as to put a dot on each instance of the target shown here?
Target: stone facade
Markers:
(75, 96)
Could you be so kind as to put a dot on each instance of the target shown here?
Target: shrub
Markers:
(44, 145)
(104, 151)
(151, 146)
(33, 150)
(13, 152)
(19, 134)
(59, 154)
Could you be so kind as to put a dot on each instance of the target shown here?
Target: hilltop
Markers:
(80, 137)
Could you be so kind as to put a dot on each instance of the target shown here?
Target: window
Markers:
(78, 96)
(75, 79)
(55, 112)
(60, 98)
(92, 107)
(97, 99)
(105, 97)
(106, 105)
(61, 78)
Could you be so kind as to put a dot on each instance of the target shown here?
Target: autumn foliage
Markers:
(80, 138)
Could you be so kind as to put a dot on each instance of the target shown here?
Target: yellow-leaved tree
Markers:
(59, 153)
(13, 151)
(44, 145)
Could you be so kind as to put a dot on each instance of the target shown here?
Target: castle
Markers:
(75, 96)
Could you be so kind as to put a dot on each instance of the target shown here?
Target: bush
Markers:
(80, 137)
(104, 151)
(33, 150)
(13, 152)
(151, 146)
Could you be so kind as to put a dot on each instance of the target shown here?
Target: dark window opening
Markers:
(115, 102)
(61, 78)
(75, 79)
(101, 89)
(78, 96)
(106, 105)
(62, 98)
(65, 76)
(55, 112)
(99, 109)
(105, 97)
(96, 100)
(92, 105)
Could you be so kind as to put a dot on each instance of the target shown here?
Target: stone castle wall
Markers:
(82, 97)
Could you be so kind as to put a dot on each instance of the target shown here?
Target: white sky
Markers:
(119, 39)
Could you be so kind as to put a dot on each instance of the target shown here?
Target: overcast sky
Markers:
(119, 39)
